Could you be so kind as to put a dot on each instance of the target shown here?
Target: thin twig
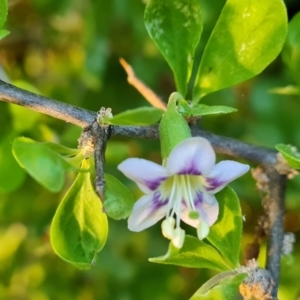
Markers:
(147, 93)
(275, 213)
(59, 110)
(101, 135)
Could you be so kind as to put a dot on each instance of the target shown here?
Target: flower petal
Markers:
(146, 174)
(147, 211)
(208, 208)
(223, 173)
(194, 156)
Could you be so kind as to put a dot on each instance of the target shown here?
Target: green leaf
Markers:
(291, 49)
(118, 200)
(175, 26)
(226, 233)
(193, 254)
(72, 158)
(203, 110)
(247, 37)
(43, 164)
(62, 150)
(140, 116)
(3, 12)
(291, 154)
(225, 289)
(289, 90)
(79, 228)
(11, 175)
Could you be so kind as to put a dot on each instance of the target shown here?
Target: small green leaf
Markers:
(225, 289)
(11, 175)
(226, 233)
(79, 228)
(203, 110)
(3, 12)
(291, 49)
(72, 158)
(43, 164)
(193, 254)
(118, 200)
(291, 154)
(62, 150)
(140, 116)
(247, 37)
(289, 90)
(175, 26)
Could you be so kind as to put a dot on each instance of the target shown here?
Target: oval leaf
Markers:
(291, 49)
(247, 37)
(43, 164)
(226, 233)
(193, 254)
(118, 200)
(140, 116)
(225, 289)
(203, 110)
(79, 228)
(175, 26)
(62, 150)
(291, 154)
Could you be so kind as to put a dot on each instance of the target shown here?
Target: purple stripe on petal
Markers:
(189, 169)
(154, 184)
(157, 202)
(213, 183)
(198, 199)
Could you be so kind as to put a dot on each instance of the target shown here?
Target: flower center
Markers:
(182, 190)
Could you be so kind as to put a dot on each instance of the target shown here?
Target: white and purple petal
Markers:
(223, 173)
(147, 211)
(193, 156)
(146, 174)
(208, 208)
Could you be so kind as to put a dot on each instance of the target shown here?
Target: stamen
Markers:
(178, 239)
(190, 198)
(170, 208)
(202, 230)
(177, 204)
(167, 227)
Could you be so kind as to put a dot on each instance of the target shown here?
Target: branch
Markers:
(59, 110)
(224, 145)
(101, 135)
(274, 206)
(84, 118)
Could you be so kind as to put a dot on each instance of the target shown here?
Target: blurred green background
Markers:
(69, 50)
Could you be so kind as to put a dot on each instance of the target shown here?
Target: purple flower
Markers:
(182, 189)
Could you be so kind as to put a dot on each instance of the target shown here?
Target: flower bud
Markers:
(173, 127)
